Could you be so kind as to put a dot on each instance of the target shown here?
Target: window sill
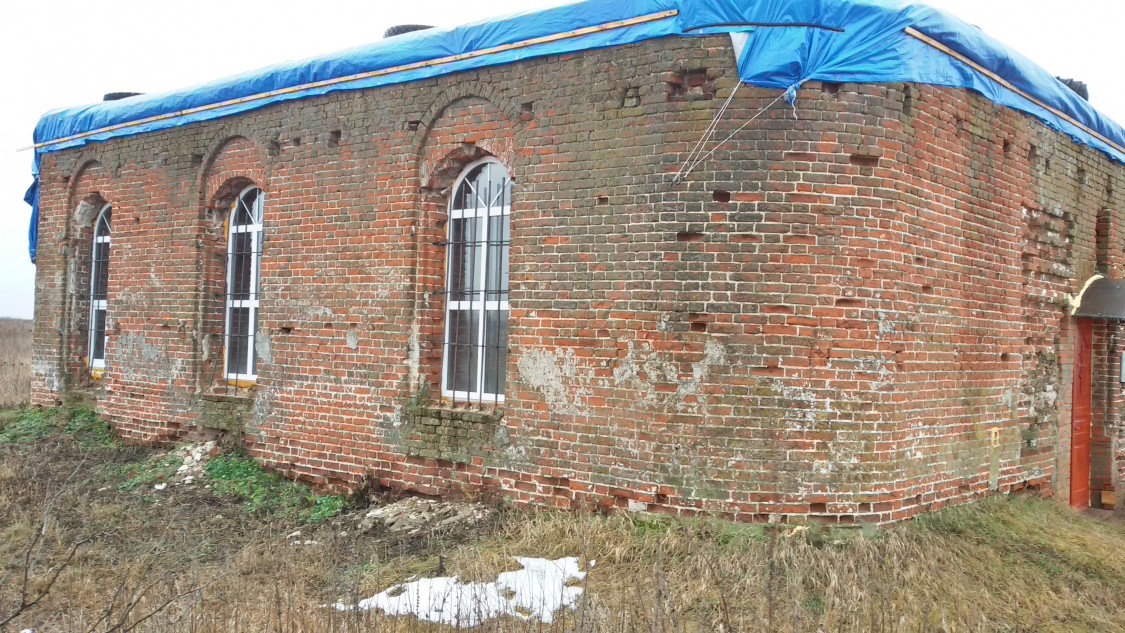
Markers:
(218, 397)
(479, 414)
(242, 384)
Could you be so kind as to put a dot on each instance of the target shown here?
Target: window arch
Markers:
(476, 284)
(99, 286)
(244, 260)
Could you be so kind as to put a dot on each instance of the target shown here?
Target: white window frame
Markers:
(99, 305)
(477, 302)
(256, 234)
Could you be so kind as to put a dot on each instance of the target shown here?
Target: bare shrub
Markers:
(15, 362)
(107, 556)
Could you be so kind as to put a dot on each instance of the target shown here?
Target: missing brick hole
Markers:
(830, 88)
(908, 97)
(864, 160)
(603, 200)
(690, 85)
(689, 236)
(927, 289)
(274, 148)
(527, 107)
(698, 326)
(921, 261)
(1007, 148)
(632, 97)
(196, 160)
(413, 125)
(286, 329)
(720, 196)
(1005, 357)
(334, 137)
(1033, 153)
(296, 141)
(1082, 176)
(818, 508)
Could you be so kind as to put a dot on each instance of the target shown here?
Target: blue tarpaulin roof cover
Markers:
(787, 42)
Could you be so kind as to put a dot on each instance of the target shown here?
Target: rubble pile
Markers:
(194, 458)
(412, 515)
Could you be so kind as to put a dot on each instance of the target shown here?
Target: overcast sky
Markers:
(65, 52)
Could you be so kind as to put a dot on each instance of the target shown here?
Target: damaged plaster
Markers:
(262, 347)
(554, 374)
(85, 214)
(643, 368)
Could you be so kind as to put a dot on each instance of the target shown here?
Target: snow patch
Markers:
(534, 593)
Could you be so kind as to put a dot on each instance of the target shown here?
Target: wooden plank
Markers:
(1109, 500)
(911, 31)
(608, 26)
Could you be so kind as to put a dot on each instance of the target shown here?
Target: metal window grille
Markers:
(243, 266)
(99, 286)
(475, 350)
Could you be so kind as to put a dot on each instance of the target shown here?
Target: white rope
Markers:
(692, 161)
(711, 153)
(708, 133)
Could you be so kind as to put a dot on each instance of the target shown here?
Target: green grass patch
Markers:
(154, 470)
(25, 426)
(236, 475)
(89, 430)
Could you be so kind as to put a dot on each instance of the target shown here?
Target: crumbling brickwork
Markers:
(855, 310)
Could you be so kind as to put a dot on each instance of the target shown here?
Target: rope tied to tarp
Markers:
(696, 156)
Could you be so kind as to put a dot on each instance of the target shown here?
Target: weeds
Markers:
(209, 560)
(269, 494)
(157, 469)
(25, 426)
(90, 431)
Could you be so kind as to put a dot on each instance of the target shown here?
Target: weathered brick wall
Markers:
(825, 321)
(1003, 215)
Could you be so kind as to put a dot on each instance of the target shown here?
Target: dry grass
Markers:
(200, 563)
(15, 362)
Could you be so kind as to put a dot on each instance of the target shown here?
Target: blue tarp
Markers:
(32, 198)
(788, 42)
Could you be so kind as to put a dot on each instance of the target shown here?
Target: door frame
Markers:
(1081, 406)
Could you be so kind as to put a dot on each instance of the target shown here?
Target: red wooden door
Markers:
(1080, 416)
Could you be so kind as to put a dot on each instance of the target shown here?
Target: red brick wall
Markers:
(855, 314)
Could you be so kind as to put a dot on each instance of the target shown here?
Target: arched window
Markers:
(476, 306)
(99, 285)
(244, 259)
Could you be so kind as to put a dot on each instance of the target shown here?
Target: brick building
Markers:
(494, 273)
